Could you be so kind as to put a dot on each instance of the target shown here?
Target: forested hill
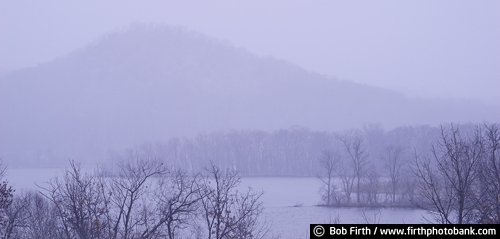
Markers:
(151, 83)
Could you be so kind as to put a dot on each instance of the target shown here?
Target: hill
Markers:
(151, 83)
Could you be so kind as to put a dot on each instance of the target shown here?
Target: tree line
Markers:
(456, 179)
(143, 198)
(285, 152)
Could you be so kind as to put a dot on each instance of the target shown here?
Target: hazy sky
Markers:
(424, 48)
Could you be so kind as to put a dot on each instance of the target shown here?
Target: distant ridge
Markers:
(153, 82)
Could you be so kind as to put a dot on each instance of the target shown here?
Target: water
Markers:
(26, 179)
(290, 202)
(291, 205)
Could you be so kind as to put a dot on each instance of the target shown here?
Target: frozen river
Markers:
(290, 204)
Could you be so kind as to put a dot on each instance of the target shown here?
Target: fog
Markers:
(81, 79)
(444, 49)
(263, 88)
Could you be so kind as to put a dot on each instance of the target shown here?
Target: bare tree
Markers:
(6, 199)
(329, 161)
(142, 200)
(130, 196)
(227, 213)
(490, 176)
(16, 216)
(79, 201)
(448, 187)
(393, 163)
(347, 179)
(40, 218)
(176, 200)
(408, 186)
(372, 186)
(353, 143)
(435, 194)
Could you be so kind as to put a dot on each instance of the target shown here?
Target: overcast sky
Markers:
(435, 48)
